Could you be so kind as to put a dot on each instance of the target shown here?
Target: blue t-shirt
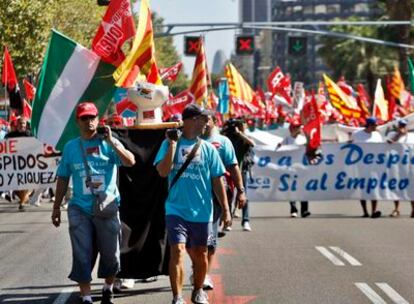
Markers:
(190, 198)
(102, 160)
(224, 148)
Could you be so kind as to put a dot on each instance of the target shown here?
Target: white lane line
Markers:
(392, 293)
(64, 295)
(325, 252)
(346, 256)
(370, 293)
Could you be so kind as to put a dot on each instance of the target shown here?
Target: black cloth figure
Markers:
(145, 251)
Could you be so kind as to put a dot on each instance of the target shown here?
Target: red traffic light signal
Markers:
(191, 45)
(245, 45)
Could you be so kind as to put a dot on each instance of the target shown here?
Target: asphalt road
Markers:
(334, 256)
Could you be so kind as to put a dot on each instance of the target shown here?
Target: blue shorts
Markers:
(192, 234)
(87, 232)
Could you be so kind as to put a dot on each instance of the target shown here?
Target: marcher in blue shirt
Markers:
(103, 154)
(189, 203)
(234, 180)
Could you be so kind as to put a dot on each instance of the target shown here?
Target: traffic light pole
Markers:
(273, 27)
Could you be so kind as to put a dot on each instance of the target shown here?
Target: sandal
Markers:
(395, 213)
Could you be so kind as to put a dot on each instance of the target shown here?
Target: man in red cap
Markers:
(91, 160)
(296, 138)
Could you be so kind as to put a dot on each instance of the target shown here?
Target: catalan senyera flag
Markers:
(380, 103)
(200, 80)
(241, 94)
(397, 84)
(141, 58)
(347, 106)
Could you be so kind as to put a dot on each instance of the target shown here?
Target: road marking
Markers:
(346, 256)
(325, 252)
(370, 293)
(64, 295)
(392, 293)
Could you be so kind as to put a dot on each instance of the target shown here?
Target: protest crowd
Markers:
(209, 156)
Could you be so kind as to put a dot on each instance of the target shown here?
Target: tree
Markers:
(167, 56)
(401, 10)
(356, 60)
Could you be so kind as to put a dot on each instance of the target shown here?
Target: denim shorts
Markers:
(190, 233)
(88, 235)
(214, 226)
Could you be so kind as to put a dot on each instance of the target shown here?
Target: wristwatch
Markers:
(240, 190)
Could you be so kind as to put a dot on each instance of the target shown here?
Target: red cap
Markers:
(295, 123)
(86, 109)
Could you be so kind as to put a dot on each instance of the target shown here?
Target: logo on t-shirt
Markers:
(216, 144)
(92, 150)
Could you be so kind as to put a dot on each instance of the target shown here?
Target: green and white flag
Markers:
(70, 74)
(411, 74)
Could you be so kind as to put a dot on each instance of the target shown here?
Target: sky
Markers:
(190, 11)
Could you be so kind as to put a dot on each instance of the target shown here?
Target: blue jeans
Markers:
(85, 233)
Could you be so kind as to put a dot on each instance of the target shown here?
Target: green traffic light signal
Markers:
(297, 46)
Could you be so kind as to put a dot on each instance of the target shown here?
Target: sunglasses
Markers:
(87, 117)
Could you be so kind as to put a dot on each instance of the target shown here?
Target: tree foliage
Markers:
(356, 60)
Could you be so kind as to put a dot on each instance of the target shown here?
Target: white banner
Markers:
(347, 171)
(26, 163)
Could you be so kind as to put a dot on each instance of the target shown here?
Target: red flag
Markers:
(177, 103)
(171, 73)
(29, 89)
(116, 27)
(279, 83)
(311, 123)
(8, 77)
(124, 105)
(27, 110)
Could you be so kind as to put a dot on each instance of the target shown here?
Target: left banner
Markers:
(26, 163)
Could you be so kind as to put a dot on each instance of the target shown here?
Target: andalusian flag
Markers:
(141, 58)
(411, 74)
(241, 94)
(70, 74)
(347, 106)
(200, 80)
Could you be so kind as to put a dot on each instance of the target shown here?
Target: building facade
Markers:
(310, 67)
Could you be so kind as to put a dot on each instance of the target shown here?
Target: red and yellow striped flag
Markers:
(397, 84)
(347, 106)
(241, 94)
(141, 58)
(200, 80)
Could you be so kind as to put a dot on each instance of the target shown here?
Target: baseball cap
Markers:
(86, 109)
(402, 122)
(194, 110)
(371, 121)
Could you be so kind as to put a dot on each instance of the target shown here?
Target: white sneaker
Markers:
(236, 213)
(228, 228)
(127, 283)
(178, 300)
(208, 283)
(246, 226)
(199, 297)
(294, 214)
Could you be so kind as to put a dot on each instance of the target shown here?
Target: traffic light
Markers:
(191, 45)
(245, 45)
(297, 46)
(103, 2)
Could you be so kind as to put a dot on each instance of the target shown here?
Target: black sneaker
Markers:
(86, 301)
(107, 296)
(305, 214)
(376, 214)
(221, 234)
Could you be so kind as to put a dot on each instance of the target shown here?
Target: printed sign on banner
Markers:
(26, 163)
(347, 171)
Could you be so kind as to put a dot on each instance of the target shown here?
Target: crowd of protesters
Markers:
(212, 194)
